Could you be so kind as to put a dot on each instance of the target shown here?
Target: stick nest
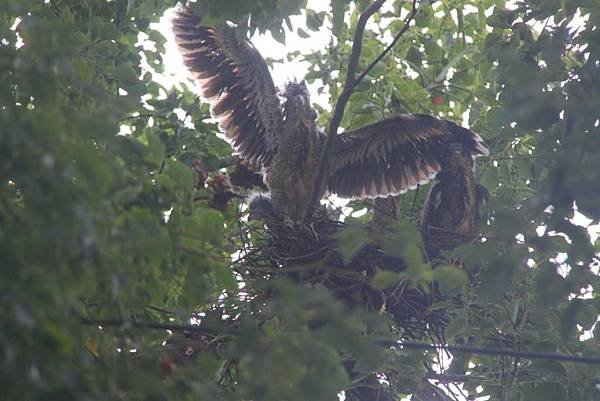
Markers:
(310, 255)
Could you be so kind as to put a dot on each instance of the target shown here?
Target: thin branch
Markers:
(402, 31)
(142, 116)
(160, 310)
(145, 325)
(531, 157)
(387, 343)
(441, 77)
(454, 378)
(494, 351)
(305, 267)
(305, 256)
(349, 85)
(414, 202)
(340, 105)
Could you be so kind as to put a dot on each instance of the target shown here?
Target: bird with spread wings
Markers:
(379, 160)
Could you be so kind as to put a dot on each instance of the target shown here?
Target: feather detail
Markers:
(395, 155)
(236, 81)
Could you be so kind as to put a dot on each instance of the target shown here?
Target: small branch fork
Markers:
(349, 86)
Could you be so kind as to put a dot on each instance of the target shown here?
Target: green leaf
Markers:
(414, 55)
(278, 33)
(378, 69)
(384, 279)
(314, 20)
(457, 327)
(224, 276)
(181, 174)
(351, 240)
(548, 391)
(107, 48)
(496, 117)
(196, 288)
(208, 225)
(550, 288)
(338, 8)
(302, 33)
(450, 278)
(110, 31)
(499, 276)
(156, 149)
(578, 312)
(501, 18)
(433, 50)
(125, 75)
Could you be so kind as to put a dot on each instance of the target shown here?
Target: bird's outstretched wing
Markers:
(395, 155)
(236, 82)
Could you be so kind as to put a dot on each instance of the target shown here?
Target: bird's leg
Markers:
(313, 230)
(300, 225)
(288, 222)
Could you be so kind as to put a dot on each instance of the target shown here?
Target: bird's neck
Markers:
(457, 167)
(294, 128)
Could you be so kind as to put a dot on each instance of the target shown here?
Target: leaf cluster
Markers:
(102, 215)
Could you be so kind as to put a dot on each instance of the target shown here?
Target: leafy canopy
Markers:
(115, 229)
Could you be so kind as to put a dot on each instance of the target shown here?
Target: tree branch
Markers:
(494, 351)
(387, 343)
(454, 378)
(145, 325)
(377, 59)
(349, 85)
(340, 105)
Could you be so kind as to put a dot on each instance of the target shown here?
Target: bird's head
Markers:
(296, 103)
(260, 207)
(458, 157)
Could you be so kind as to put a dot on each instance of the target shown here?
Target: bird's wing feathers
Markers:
(395, 155)
(236, 81)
